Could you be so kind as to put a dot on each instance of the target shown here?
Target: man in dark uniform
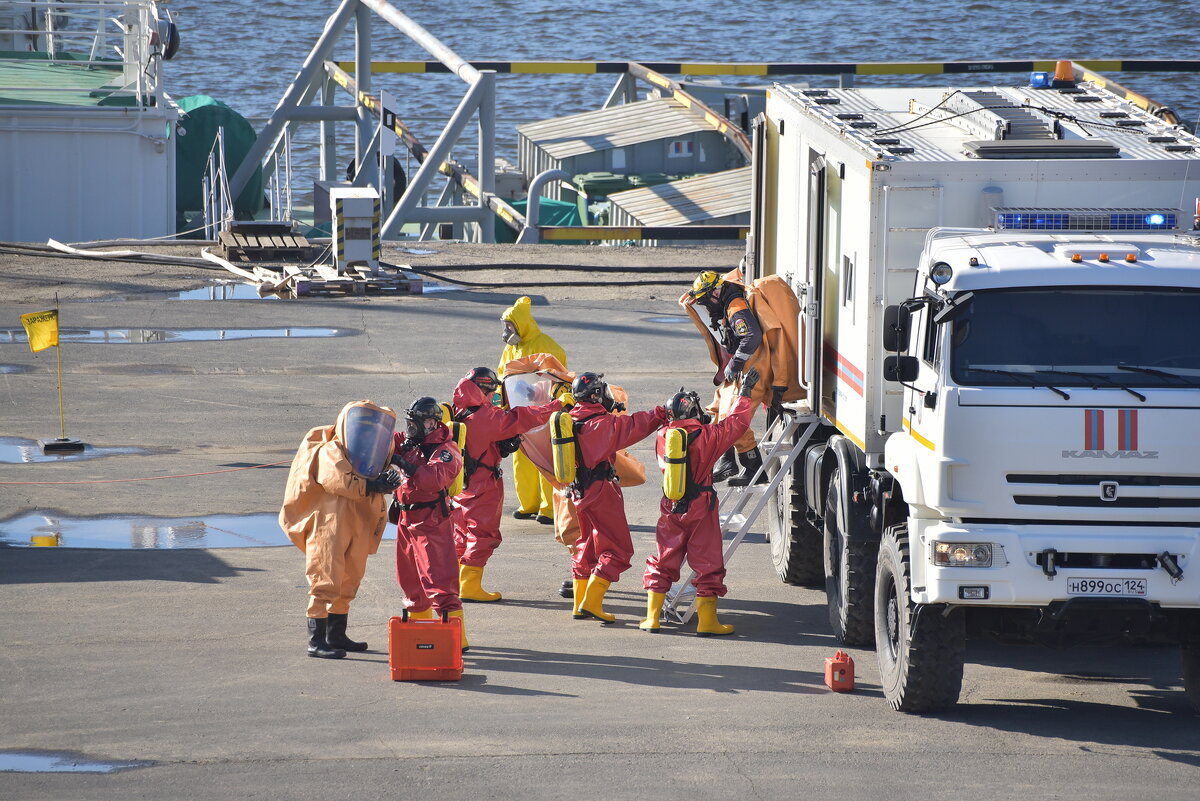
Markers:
(740, 336)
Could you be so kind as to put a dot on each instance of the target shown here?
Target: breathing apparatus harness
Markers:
(693, 488)
(442, 501)
(586, 476)
(470, 463)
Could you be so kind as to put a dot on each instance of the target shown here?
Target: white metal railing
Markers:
(121, 36)
(218, 201)
(279, 183)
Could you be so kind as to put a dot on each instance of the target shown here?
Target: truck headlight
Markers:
(961, 554)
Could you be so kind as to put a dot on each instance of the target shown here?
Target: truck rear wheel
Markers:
(795, 542)
(921, 650)
(849, 576)
(1191, 673)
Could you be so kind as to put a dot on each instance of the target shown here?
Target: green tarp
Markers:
(550, 212)
(203, 115)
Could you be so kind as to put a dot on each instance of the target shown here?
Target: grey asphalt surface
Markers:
(187, 668)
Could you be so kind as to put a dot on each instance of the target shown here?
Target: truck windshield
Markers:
(1078, 337)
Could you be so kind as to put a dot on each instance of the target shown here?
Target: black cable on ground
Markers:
(578, 268)
(526, 284)
(21, 250)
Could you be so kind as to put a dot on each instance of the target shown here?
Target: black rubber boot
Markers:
(725, 467)
(567, 590)
(317, 645)
(335, 634)
(751, 460)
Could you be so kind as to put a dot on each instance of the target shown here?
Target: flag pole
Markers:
(62, 444)
(62, 418)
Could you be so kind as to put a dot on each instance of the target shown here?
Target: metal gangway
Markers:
(781, 447)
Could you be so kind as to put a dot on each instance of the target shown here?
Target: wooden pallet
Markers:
(244, 247)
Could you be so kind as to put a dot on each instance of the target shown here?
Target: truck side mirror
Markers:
(900, 368)
(896, 323)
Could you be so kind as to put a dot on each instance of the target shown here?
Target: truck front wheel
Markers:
(795, 542)
(849, 576)
(1191, 673)
(921, 650)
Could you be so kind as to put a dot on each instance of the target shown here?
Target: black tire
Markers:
(921, 650)
(795, 542)
(849, 569)
(1191, 673)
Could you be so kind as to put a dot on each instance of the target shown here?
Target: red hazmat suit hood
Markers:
(468, 394)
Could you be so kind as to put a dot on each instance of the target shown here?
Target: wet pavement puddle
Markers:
(667, 320)
(139, 532)
(59, 762)
(12, 369)
(140, 336)
(18, 450)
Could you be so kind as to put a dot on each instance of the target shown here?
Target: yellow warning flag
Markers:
(42, 328)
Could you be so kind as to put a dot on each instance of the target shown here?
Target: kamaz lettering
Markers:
(1110, 454)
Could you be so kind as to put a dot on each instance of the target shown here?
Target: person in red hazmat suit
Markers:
(479, 506)
(335, 510)
(691, 526)
(428, 461)
(522, 338)
(605, 545)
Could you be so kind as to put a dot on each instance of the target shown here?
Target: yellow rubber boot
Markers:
(458, 613)
(654, 605)
(707, 624)
(425, 614)
(580, 587)
(593, 600)
(470, 585)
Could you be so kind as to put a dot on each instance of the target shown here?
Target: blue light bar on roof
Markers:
(1014, 219)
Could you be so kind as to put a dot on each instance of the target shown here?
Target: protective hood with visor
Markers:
(418, 416)
(366, 433)
(686, 405)
(485, 378)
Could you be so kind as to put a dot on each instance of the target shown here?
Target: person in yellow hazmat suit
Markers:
(523, 337)
(335, 510)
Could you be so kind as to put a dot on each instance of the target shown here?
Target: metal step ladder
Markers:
(779, 454)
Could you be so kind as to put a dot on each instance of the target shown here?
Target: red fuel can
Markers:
(839, 672)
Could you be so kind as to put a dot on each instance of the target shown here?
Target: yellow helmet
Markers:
(705, 282)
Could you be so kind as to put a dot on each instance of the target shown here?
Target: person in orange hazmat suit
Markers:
(335, 511)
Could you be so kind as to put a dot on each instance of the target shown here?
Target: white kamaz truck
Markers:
(1000, 326)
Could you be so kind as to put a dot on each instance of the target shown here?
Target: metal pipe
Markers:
(296, 90)
(529, 234)
(444, 199)
(487, 151)
(329, 169)
(424, 38)
(362, 71)
(322, 114)
(437, 154)
(454, 214)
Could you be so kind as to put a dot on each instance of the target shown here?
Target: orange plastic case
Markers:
(425, 650)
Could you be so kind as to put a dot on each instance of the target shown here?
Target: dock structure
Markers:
(721, 198)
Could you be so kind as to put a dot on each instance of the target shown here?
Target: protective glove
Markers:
(731, 370)
(777, 398)
(749, 382)
(567, 399)
(387, 481)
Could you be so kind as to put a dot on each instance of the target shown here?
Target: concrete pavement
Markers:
(188, 666)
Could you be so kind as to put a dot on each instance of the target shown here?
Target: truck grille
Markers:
(1098, 498)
